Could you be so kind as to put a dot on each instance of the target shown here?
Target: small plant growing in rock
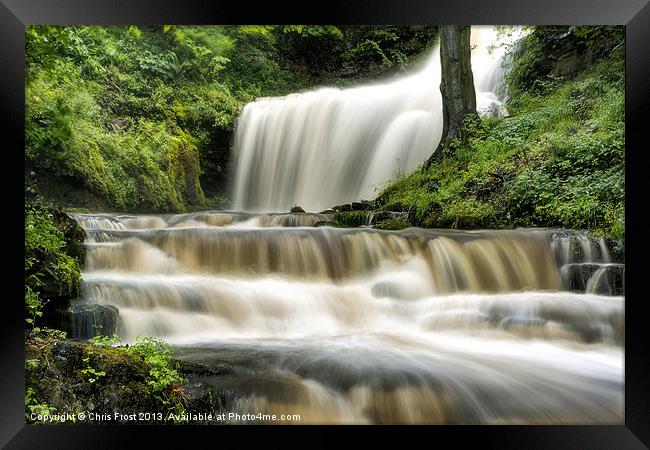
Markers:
(92, 374)
(164, 380)
(104, 341)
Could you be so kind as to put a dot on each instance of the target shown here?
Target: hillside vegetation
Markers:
(141, 118)
(556, 161)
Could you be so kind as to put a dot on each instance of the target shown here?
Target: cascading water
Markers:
(367, 326)
(331, 146)
(363, 325)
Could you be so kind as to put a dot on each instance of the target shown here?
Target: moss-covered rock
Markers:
(392, 224)
(85, 321)
(114, 382)
(82, 377)
(54, 254)
(73, 235)
(344, 208)
(351, 218)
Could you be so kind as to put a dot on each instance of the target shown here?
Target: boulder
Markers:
(88, 320)
(595, 278)
(361, 206)
(342, 208)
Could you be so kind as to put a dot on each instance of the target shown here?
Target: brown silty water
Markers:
(369, 326)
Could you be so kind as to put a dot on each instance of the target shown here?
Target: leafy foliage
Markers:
(557, 161)
(32, 406)
(52, 258)
(99, 369)
(550, 55)
(141, 118)
(157, 355)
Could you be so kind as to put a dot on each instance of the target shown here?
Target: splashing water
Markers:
(369, 326)
(331, 146)
(363, 325)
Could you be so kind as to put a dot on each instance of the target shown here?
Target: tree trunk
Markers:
(456, 86)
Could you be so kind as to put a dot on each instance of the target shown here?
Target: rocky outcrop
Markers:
(594, 278)
(86, 321)
(112, 384)
(76, 377)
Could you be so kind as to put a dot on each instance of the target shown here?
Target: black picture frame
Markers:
(634, 14)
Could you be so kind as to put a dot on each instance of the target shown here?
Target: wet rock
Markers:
(595, 278)
(191, 369)
(361, 206)
(296, 209)
(432, 186)
(609, 279)
(575, 276)
(342, 208)
(87, 321)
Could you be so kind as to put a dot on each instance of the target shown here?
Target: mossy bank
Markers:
(65, 378)
(557, 160)
(141, 119)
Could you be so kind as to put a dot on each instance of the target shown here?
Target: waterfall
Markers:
(330, 146)
(360, 325)
(364, 325)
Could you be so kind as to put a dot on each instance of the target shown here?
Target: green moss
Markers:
(392, 224)
(72, 377)
(141, 118)
(351, 218)
(53, 253)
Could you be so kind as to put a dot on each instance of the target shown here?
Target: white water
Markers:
(362, 326)
(330, 146)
